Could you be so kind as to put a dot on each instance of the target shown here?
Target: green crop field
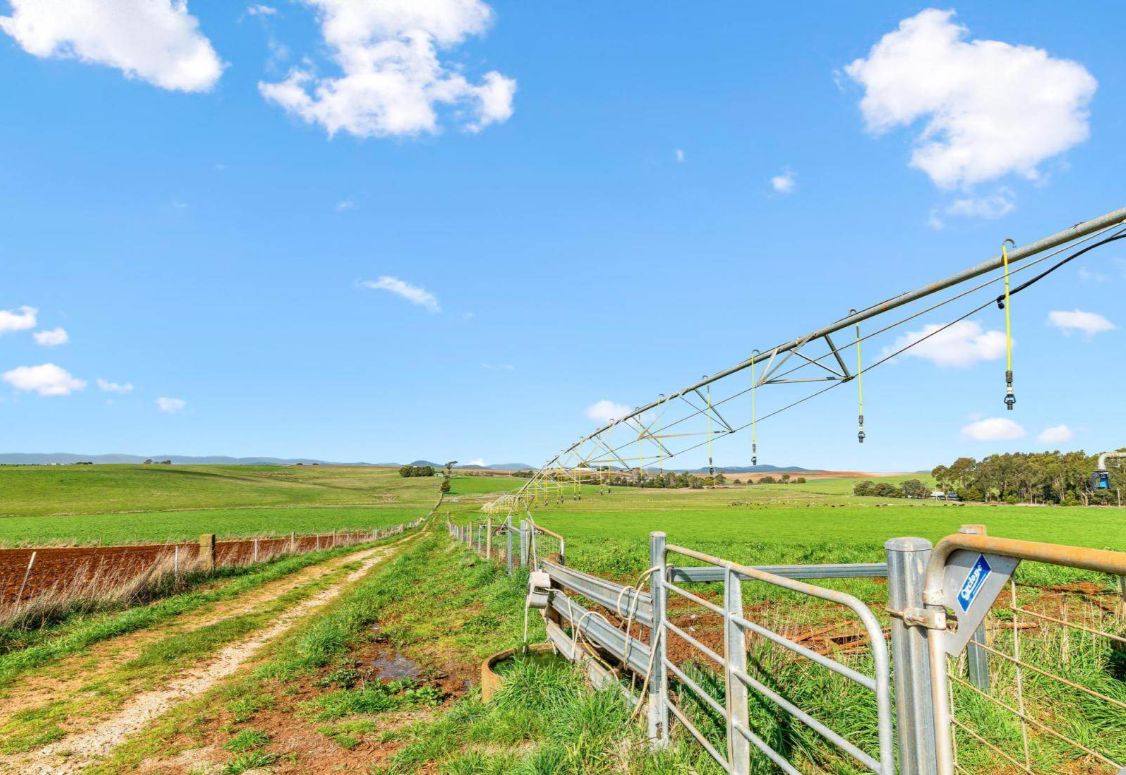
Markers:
(118, 504)
(820, 521)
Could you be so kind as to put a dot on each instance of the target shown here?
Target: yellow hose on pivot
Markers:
(1010, 399)
(754, 440)
(859, 381)
(711, 467)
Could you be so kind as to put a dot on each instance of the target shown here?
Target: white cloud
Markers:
(46, 380)
(412, 293)
(990, 108)
(345, 204)
(989, 207)
(785, 183)
(261, 10)
(1057, 434)
(1090, 323)
(477, 461)
(114, 387)
(680, 156)
(962, 344)
(993, 429)
(606, 411)
(171, 405)
(392, 78)
(17, 320)
(52, 338)
(157, 41)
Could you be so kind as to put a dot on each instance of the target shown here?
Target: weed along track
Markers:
(143, 676)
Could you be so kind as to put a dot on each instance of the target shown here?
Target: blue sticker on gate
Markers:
(973, 583)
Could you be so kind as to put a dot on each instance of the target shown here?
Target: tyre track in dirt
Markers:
(80, 749)
(71, 673)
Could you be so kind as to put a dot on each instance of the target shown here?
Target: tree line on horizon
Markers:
(1062, 478)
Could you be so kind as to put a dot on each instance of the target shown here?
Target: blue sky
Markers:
(573, 202)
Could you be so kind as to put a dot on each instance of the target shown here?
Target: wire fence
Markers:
(1031, 672)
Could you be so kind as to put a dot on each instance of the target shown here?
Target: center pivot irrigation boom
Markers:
(689, 418)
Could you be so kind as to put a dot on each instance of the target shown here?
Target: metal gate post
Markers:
(508, 533)
(977, 658)
(735, 660)
(489, 538)
(658, 715)
(523, 543)
(907, 565)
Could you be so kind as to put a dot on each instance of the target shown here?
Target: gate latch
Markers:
(920, 617)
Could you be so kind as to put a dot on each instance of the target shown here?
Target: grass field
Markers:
(153, 504)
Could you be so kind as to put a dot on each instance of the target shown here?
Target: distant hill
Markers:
(47, 458)
(763, 469)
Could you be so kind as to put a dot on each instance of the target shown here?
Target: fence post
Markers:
(735, 639)
(489, 538)
(255, 550)
(658, 715)
(207, 551)
(523, 543)
(334, 538)
(293, 542)
(508, 532)
(907, 565)
(977, 658)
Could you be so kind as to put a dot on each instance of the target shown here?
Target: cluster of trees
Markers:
(670, 479)
(1037, 477)
(912, 488)
(409, 471)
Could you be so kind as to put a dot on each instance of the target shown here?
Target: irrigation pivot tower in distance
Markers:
(690, 418)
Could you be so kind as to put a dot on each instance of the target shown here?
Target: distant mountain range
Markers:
(763, 469)
(47, 458)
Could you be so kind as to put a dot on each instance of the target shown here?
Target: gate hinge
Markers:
(920, 617)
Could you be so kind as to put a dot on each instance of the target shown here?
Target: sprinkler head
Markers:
(860, 436)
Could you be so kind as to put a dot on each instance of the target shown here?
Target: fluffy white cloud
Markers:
(261, 10)
(606, 411)
(962, 344)
(170, 405)
(157, 41)
(412, 293)
(785, 183)
(1057, 434)
(17, 320)
(114, 387)
(993, 429)
(1090, 323)
(680, 155)
(52, 338)
(477, 461)
(392, 77)
(990, 108)
(46, 380)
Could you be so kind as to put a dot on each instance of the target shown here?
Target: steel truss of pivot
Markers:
(592, 456)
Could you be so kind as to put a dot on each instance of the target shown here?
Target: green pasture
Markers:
(154, 504)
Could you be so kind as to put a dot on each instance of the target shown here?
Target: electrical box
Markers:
(1100, 480)
(539, 588)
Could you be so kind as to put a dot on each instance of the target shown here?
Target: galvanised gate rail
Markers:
(938, 599)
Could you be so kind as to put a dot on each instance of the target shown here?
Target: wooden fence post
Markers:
(207, 551)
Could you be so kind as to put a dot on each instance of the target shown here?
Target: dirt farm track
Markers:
(61, 568)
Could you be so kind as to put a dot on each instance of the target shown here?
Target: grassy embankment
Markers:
(121, 504)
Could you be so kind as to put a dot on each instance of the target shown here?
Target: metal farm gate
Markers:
(953, 694)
